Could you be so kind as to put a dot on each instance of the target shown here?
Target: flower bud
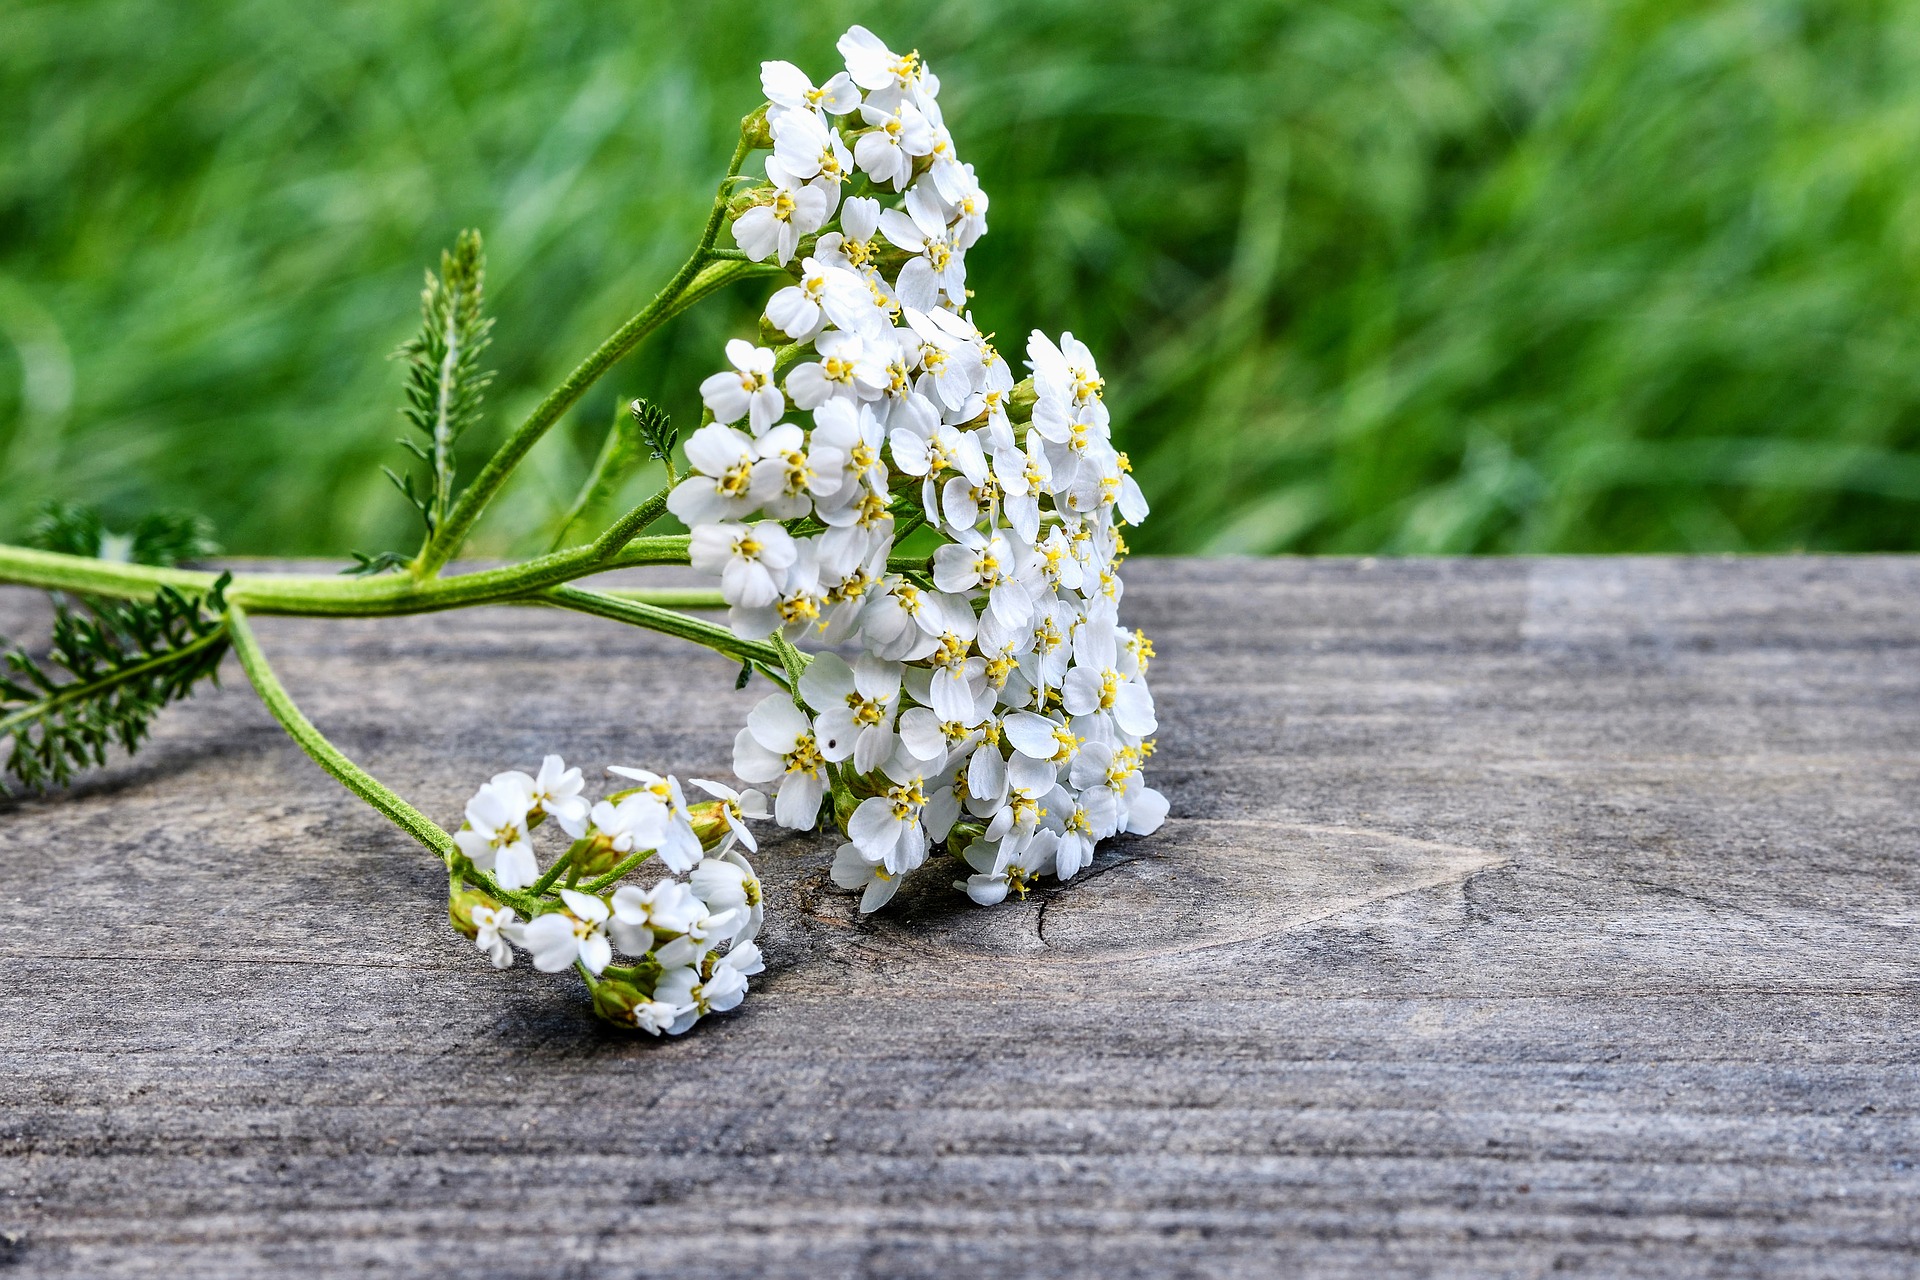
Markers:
(594, 856)
(844, 803)
(709, 819)
(1020, 403)
(755, 131)
(615, 1000)
(460, 904)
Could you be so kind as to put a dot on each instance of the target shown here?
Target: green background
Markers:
(1496, 276)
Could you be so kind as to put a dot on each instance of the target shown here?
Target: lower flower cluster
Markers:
(688, 936)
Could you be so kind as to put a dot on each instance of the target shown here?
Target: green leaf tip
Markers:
(445, 383)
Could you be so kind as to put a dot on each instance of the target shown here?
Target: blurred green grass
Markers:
(1491, 276)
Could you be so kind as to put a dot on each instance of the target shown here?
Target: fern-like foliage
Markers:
(641, 426)
(164, 538)
(111, 667)
(445, 383)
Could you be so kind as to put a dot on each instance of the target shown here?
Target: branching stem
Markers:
(448, 539)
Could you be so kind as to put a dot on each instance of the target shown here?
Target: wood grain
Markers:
(1514, 918)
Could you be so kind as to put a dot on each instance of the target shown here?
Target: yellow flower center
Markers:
(798, 609)
(805, 757)
(952, 651)
(907, 799)
(799, 473)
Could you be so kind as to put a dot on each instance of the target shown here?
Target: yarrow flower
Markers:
(996, 709)
(691, 941)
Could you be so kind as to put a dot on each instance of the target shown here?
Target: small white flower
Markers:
(778, 745)
(886, 151)
(1025, 477)
(738, 806)
(797, 606)
(787, 86)
(1006, 570)
(939, 266)
(669, 907)
(887, 827)
(856, 706)
(751, 559)
(825, 293)
(1066, 372)
(950, 363)
(854, 245)
(490, 924)
(746, 389)
(556, 792)
(1092, 819)
(849, 368)
(676, 842)
(684, 988)
(656, 1016)
(876, 68)
(719, 486)
(852, 869)
(967, 204)
(934, 452)
(631, 824)
(727, 883)
(786, 479)
(577, 934)
(1095, 686)
(807, 148)
(1002, 867)
(495, 835)
(849, 429)
(709, 928)
(790, 208)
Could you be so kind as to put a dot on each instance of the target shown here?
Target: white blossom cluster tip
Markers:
(691, 939)
(995, 703)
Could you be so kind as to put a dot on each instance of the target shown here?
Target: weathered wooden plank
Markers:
(1513, 916)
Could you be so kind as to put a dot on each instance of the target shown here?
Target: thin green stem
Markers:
(627, 864)
(552, 873)
(325, 754)
(623, 530)
(762, 656)
(669, 597)
(317, 595)
(452, 534)
(794, 661)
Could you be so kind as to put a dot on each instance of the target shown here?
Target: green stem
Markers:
(449, 537)
(669, 598)
(794, 661)
(763, 656)
(325, 754)
(318, 595)
(623, 530)
(545, 882)
(627, 864)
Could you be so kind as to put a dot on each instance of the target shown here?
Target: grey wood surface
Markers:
(1513, 918)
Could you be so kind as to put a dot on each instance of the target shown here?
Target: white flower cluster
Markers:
(693, 939)
(995, 703)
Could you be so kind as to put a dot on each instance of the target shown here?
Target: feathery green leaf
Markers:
(164, 538)
(112, 666)
(445, 383)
